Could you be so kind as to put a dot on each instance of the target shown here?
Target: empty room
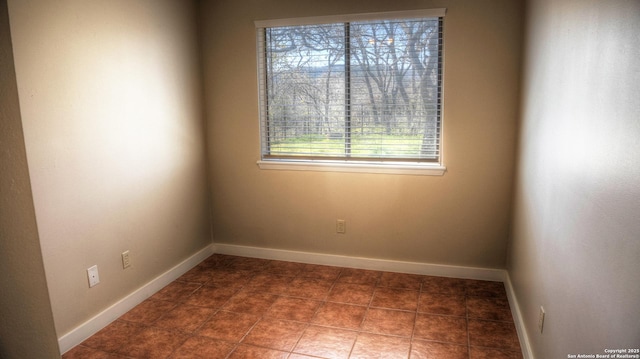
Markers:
(319, 179)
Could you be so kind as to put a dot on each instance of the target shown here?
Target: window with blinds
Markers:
(356, 88)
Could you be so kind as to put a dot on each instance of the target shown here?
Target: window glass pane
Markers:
(306, 86)
(394, 88)
(360, 90)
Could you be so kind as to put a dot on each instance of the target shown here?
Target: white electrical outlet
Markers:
(126, 260)
(341, 226)
(94, 279)
(541, 319)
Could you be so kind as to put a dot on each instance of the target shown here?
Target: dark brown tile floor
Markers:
(236, 307)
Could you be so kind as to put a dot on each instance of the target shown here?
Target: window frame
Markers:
(388, 166)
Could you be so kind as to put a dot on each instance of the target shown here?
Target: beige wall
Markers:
(112, 114)
(461, 218)
(26, 321)
(576, 224)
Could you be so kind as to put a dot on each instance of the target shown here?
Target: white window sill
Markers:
(405, 168)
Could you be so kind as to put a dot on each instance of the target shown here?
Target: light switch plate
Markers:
(541, 319)
(126, 260)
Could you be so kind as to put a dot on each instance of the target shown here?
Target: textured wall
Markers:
(576, 224)
(26, 322)
(112, 113)
(461, 218)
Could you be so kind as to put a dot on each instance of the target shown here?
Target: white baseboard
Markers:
(527, 353)
(363, 263)
(93, 325)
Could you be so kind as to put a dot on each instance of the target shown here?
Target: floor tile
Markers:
(359, 276)
(490, 353)
(483, 288)
(275, 334)
(148, 311)
(229, 278)
(310, 288)
(489, 308)
(441, 328)
(315, 271)
(443, 285)
(268, 282)
(351, 293)
(215, 261)
(290, 308)
(176, 291)
(251, 352)
(300, 356)
(240, 307)
(113, 336)
(340, 315)
(82, 352)
(246, 263)
(389, 322)
(199, 274)
(369, 346)
(289, 269)
(228, 326)
(492, 334)
(400, 280)
(250, 302)
(211, 297)
(202, 347)
(186, 318)
(153, 343)
(440, 303)
(422, 349)
(326, 342)
(395, 298)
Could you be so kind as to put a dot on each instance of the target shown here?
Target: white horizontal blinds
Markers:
(367, 90)
(306, 90)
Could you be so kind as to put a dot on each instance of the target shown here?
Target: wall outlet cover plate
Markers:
(92, 273)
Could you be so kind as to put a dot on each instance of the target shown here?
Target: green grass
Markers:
(361, 146)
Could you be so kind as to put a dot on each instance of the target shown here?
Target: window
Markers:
(358, 90)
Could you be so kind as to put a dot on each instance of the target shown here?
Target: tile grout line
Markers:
(415, 320)
(307, 325)
(466, 310)
(360, 328)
